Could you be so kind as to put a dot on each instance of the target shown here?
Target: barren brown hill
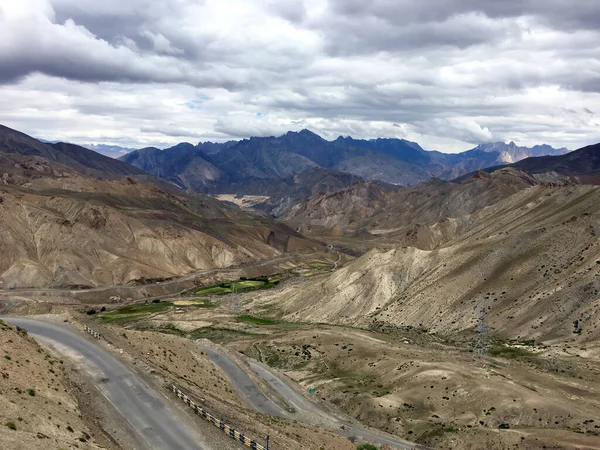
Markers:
(81, 232)
(70, 217)
(404, 215)
(79, 159)
(531, 261)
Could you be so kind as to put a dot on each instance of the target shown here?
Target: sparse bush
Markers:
(7, 357)
(31, 392)
(69, 428)
(510, 352)
(366, 447)
(11, 425)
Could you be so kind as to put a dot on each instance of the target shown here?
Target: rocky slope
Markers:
(82, 160)
(37, 409)
(403, 214)
(531, 261)
(82, 232)
(281, 194)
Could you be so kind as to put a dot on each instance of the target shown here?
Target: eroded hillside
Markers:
(75, 231)
(531, 261)
(417, 216)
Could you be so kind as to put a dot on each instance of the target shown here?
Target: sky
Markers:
(448, 74)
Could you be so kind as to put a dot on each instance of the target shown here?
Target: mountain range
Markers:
(71, 217)
(394, 161)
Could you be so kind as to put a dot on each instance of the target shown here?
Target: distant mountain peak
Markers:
(303, 133)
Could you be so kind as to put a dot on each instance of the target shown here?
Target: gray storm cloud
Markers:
(446, 73)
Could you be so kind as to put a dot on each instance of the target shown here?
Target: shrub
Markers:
(31, 392)
(91, 312)
(11, 425)
(366, 447)
(510, 352)
(69, 428)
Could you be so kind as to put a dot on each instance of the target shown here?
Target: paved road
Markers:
(244, 385)
(147, 412)
(306, 411)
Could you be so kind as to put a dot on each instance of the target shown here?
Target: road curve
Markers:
(244, 385)
(304, 408)
(148, 413)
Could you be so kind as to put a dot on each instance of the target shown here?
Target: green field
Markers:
(133, 312)
(242, 285)
(510, 352)
(139, 311)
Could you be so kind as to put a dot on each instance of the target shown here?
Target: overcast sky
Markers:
(448, 74)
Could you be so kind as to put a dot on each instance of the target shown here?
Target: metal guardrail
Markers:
(92, 332)
(227, 429)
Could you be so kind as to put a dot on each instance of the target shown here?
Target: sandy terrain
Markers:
(37, 399)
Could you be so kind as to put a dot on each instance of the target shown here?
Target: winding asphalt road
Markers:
(148, 413)
(244, 385)
(305, 410)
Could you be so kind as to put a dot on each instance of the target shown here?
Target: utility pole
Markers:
(235, 301)
(362, 235)
(267, 446)
(482, 344)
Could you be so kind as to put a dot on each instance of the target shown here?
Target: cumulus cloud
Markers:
(446, 73)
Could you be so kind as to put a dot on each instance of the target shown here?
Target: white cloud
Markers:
(447, 74)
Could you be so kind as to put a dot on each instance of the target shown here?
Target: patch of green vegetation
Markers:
(320, 266)
(31, 392)
(221, 335)
(273, 359)
(437, 430)
(170, 329)
(366, 447)
(139, 311)
(510, 352)
(380, 392)
(133, 312)
(7, 357)
(257, 320)
(242, 285)
(278, 358)
(357, 383)
(11, 425)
